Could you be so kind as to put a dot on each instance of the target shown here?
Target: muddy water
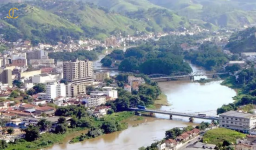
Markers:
(184, 96)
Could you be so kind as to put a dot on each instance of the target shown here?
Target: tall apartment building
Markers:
(238, 121)
(37, 54)
(77, 70)
(53, 90)
(6, 76)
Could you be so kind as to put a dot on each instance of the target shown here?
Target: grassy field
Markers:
(216, 136)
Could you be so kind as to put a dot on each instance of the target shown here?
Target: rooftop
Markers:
(237, 114)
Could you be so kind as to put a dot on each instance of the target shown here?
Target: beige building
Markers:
(6, 76)
(77, 70)
(77, 87)
(101, 76)
(238, 121)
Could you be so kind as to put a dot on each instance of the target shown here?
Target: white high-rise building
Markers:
(53, 90)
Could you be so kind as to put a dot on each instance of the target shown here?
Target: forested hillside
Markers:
(243, 41)
(64, 20)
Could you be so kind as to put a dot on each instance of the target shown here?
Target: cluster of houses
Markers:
(174, 144)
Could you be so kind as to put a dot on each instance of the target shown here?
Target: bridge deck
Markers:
(176, 114)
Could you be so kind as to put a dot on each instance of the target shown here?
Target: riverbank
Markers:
(45, 140)
(103, 126)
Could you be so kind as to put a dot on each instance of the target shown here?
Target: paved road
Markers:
(191, 142)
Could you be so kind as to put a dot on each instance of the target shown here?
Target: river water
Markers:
(185, 96)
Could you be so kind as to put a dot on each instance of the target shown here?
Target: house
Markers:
(161, 146)
(128, 88)
(27, 108)
(183, 137)
(101, 110)
(195, 131)
(46, 110)
(39, 102)
(171, 144)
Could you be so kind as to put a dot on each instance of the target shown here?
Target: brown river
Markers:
(183, 96)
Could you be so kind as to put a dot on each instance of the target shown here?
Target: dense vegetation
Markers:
(107, 124)
(243, 41)
(147, 60)
(208, 56)
(80, 54)
(245, 84)
(222, 137)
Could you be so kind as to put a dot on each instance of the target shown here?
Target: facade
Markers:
(19, 62)
(93, 101)
(101, 76)
(107, 91)
(37, 54)
(44, 78)
(41, 62)
(77, 70)
(53, 90)
(238, 121)
(135, 82)
(6, 76)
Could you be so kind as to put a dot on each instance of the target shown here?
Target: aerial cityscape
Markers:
(127, 74)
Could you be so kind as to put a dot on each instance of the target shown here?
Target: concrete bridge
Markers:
(188, 76)
(172, 113)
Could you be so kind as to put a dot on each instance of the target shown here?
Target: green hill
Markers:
(243, 41)
(37, 25)
(50, 21)
(100, 22)
(123, 5)
(222, 13)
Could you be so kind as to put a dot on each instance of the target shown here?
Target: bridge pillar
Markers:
(170, 117)
(191, 119)
(192, 78)
(152, 114)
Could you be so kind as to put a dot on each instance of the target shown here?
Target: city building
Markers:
(44, 78)
(77, 87)
(93, 101)
(107, 91)
(6, 76)
(41, 62)
(241, 63)
(135, 82)
(101, 76)
(37, 54)
(77, 70)
(53, 90)
(238, 121)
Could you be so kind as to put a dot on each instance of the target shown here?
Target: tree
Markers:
(73, 122)
(110, 111)
(3, 144)
(17, 83)
(15, 94)
(173, 133)
(109, 126)
(39, 88)
(10, 131)
(43, 124)
(233, 68)
(60, 129)
(31, 133)
(62, 120)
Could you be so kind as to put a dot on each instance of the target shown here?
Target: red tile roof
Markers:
(170, 141)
